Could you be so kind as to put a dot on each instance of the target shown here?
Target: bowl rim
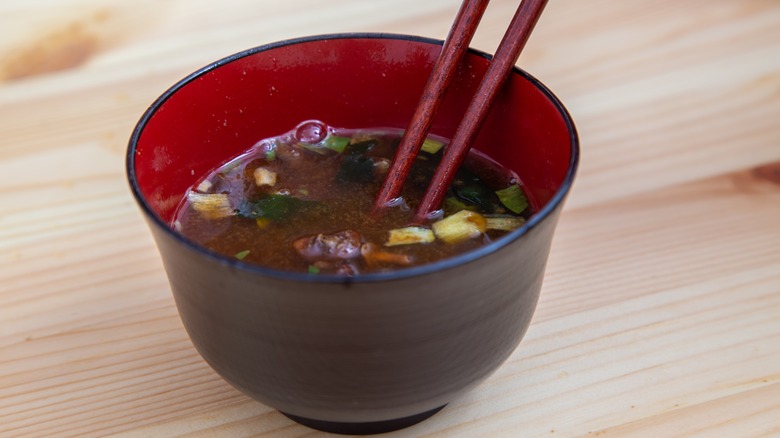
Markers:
(417, 271)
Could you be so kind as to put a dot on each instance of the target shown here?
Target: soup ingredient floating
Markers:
(302, 201)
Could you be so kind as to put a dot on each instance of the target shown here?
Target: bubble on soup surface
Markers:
(311, 132)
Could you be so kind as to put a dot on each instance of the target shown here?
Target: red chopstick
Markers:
(454, 48)
(505, 58)
(508, 51)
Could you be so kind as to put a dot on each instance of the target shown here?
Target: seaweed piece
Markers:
(273, 207)
(356, 168)
(476, 193)
(360, 148)
(453, 205)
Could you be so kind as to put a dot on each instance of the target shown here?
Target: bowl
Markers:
(369, 353)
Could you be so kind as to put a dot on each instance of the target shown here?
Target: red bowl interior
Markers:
(346, 81)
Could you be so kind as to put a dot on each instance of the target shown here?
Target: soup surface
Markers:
(303, 202)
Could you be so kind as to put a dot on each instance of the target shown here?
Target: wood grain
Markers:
(660, 313)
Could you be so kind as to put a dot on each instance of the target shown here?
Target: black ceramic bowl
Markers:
(373, 352)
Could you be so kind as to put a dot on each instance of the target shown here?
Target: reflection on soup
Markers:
(303, 202)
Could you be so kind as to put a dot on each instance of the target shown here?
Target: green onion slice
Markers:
(431, 146)
(513, 198)
(336, 143)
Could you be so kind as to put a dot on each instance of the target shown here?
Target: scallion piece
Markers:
(504, 223)
(336, 143)
(409, 236)
(513, 198)
(431, 146)
(313, 270)
(211, 205)
(241, 255)
(460, 226)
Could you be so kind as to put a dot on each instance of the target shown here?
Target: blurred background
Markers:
(596, 56)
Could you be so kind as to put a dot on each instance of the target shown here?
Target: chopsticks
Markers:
(452, 52)
(506, 55)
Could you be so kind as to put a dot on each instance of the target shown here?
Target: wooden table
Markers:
(660, 313)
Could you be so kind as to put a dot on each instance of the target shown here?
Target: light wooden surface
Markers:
(660, 313)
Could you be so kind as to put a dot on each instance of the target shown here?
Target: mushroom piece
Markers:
(343, 245)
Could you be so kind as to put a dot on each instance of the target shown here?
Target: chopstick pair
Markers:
(454, 48)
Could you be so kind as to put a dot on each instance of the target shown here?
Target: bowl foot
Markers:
(368, 428)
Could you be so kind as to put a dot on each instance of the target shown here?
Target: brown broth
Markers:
(335, 200)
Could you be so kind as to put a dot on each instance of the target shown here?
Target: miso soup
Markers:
(303, 201)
